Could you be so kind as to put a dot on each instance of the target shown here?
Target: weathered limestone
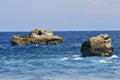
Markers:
(40, 32)
(100, 45)
(37, 36)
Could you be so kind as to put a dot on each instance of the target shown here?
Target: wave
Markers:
(78, 58)
(103, 61)
(36, 45)
(3, 47)
(114, 56)
(63, 59)
(106, 60)
(74, 57)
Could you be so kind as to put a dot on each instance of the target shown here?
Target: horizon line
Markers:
(64, 30)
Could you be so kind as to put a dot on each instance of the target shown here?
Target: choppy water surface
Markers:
(61, 62)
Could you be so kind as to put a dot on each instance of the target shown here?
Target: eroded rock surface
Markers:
(100, 45)
(40, 32)
(37, 36)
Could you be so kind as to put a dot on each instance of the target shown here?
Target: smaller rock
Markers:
(100, 45)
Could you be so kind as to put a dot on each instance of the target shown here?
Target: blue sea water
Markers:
(61, 62)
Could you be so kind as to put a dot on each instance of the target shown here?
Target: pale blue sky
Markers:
(67, 15)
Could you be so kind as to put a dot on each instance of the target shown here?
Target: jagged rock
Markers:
(37, 36)
(100, 45)
(40, 32)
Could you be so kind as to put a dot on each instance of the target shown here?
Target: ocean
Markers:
(58, 62)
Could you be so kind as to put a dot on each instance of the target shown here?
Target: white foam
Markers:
(63, 59)
(36, 45)
(28, 64)
(114, 56)
(78, 58)
(102, 61)
(75, 56)
(44, 46)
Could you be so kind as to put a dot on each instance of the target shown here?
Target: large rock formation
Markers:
(37, 36)
(100, 45)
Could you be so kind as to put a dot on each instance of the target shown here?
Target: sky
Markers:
(59, 15)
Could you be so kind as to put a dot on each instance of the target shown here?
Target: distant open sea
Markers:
(57, 62)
